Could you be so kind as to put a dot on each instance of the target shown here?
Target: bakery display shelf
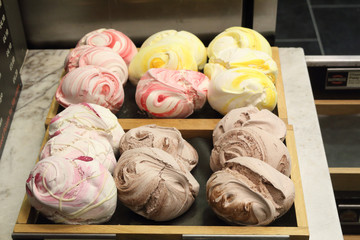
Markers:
(195, 125)
(337, 106)
(199, 220)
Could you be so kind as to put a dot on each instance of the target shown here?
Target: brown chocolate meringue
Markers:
(251, 117)
(165, 138)
(250, 142)
(249, 192)
(151, 183)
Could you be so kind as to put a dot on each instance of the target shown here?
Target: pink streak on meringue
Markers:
(98, 56)
(165, 93)
(113, 39)
(91, 84)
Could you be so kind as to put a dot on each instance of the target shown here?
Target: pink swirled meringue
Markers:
(72, 146)
(165, 138)
(250, 142)
(93, 119)
(165, 93)
(251, 117)
(113, 39)
(152, 184)
(79, 191)
(91, 84)
(99, 56)
(249, 192)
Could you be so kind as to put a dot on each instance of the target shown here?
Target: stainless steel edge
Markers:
(334, 61)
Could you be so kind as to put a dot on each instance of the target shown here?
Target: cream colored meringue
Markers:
(168, 139)
(99, 56)
(72, 146)
(249, 192)
(172, 55)
(250, 117)
(91, 118)
(165, 93)
(189, 39)
(243, 57)
(152, 184)
(117, 41)
(79, 191)
(238, 37)
(241, 87)
(250, 142)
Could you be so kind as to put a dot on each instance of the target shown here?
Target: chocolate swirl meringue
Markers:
(165, 93)
(95, 120)
(91, 84)
(250, 117)
(79, 191)
(152, 184)
(117, 41)
(164, 138)
(99, 56)
(72, 146)
(249, 192)
(250, 142)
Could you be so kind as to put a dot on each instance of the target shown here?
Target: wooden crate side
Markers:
(345, 179)
(296, 177)
(281, 104)
(163, 230)
(25, 208)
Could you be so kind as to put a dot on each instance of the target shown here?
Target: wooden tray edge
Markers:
(281, 104)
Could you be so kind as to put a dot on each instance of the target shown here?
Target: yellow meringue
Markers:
(243, 57)
(173, 56)
(194, 44)
(241, 87)
(238, 37)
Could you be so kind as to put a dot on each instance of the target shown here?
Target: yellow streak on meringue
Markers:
(238, 37)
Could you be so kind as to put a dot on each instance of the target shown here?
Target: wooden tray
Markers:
(195, 125)
(199, 220)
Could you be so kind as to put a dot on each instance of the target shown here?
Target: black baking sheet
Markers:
(200, 214)
(131, 110)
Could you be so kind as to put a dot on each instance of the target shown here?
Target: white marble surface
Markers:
(318, 193)
(40, 75)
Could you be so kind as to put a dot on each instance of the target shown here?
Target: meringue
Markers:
(196, 46)
(91, 84)
(117, 41)
(249, 192)
(152, 184)
(250, 117)
(241, 87)
(250, 142)
(243, 57)
(99, 56)
(164, 93)
(238, 37)
(78, 191)
(72, 146)
(172, 55)
(165, 138)
(96, 120)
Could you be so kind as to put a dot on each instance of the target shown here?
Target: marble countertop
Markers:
(40, 75)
